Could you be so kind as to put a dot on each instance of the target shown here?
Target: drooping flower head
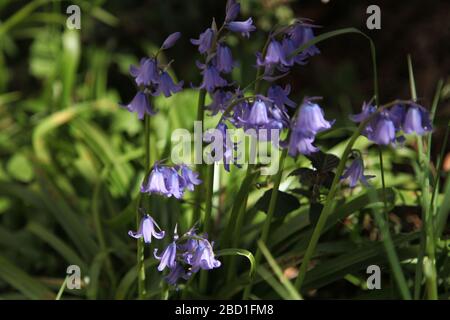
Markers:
(211, 78)
(167, 86)
(141, 105)
(170, 181)
(300, 33)
(205, 41)
(310, 119)
(147, 73)
(355, 173)
(223, 60)
(417, 119)
(147, 229)
(280, 96)
(242, 27)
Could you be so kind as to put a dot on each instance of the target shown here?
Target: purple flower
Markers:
(232, 10)
(397, 115)
(211, 78)
(274, 55)
(226, 147)
(141, 105)
(310, 119)
(171, 40)
(355, 173)
(300, 143)
(168, 258)
(417, 120)
(156, 182)
(223, 60)
(167, 86)
(219, 102)
(280, 96)
(289, 47)
(173, 182)
(300, 34)
(203, 257)
(204, 42)
(147, 73)
(176, 273)
(190, 178)
(258, 115)
(147, 229)
(367, 110)
(382, 130)
(244, 27)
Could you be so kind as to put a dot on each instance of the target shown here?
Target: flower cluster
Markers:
(304, 127)
(386, 126)
(280, 54)
(186, 256)
(152, 79)
(170, 181)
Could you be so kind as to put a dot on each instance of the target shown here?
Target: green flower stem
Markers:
(140, 242)
(269, 217)
(209, 184)
(199, 189)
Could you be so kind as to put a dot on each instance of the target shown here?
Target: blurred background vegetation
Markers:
(70, 157)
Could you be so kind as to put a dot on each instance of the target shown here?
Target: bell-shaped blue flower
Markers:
(417, 120)
(173, 182)
(382, 130)
(167, 86)
(299, 143)
(310, 119)
(367, 110)
(176, 273)
(244, 27)
(147, 73)
(355, 173)
(168, 258)
(211, 78)
(220, 99)
(156, 182)
(204, 42)
(141, 105)
(300, 33)
(189, 177)
(148, 228)
(280, 96)
(203, 257)
(223, 60)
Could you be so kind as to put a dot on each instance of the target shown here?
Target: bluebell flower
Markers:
(211, 78)
(171, 40)
(203, 257)
(156, 182)
(300, 33)
(147, 73)
(289, 47)
(205, 41)
(167, 86)
(258, 115)
(397, 115)
(141, 105)
(168, 258)
(355, 173)
(244, 27)
(174, 182)
(227, 147)
(232, 10)
(220, 99)
(274, 55)
(382, 130)
(417, 119)
(176, 273)
(280, 96)
(190, 178)
(223, 60)
(367, 110)
(310, 120)
(300, 143)
(147, 229)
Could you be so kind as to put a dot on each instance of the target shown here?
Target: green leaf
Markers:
(239, 252)
(18, 279)
(285, 203)
(20, 168)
